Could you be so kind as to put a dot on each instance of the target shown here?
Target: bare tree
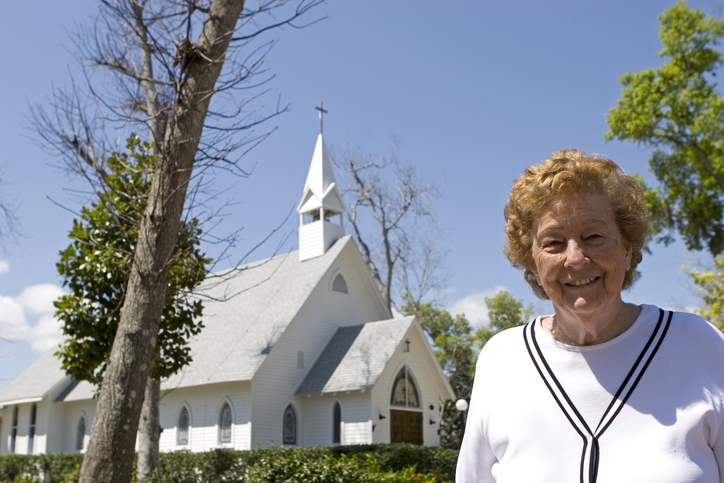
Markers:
(389, 210)
(8, 214)
(179, 69)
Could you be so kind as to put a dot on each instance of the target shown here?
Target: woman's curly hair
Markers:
(572, 172)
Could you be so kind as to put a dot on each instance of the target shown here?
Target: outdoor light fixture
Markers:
(407, 345)
(382, 416)
(432, 421)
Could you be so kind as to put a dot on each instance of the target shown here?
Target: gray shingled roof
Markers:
(258, 306)
(355, 357)
(35, 381)
(244, 315)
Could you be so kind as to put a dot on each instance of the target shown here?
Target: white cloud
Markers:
(38, 299)
(13, 324)
(4, 266)
(473, 306)
(41, 330)
(45, 334)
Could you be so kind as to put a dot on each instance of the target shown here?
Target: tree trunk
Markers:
(109, 458)
(149, 433)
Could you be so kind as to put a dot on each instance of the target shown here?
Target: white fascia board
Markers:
(13, 402)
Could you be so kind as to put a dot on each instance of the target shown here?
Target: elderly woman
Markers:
(602, 390)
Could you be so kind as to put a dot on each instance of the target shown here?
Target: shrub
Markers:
(395, 463)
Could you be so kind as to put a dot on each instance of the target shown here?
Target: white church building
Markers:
(299, 349)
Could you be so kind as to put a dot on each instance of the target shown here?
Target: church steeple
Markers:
(320, 202)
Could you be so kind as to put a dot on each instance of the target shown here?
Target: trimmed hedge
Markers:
(393, 463)
(59, 468)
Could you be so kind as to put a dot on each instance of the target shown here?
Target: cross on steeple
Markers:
(321, 110)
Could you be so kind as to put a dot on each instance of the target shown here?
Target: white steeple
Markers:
(320, 202)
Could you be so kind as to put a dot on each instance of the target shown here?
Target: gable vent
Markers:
(339, 284)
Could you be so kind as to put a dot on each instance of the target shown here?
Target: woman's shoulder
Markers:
(690, 329)
(695, 325)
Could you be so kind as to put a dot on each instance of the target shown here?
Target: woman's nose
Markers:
(575, 257)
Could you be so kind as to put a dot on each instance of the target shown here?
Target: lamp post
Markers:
(462, 406)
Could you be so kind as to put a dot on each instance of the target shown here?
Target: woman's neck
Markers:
(590, 329)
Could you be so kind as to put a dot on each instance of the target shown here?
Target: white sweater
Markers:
(543, 411)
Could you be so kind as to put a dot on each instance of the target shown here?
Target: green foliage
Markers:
(395, 463)
(96, 265)
(677, 110)
(711, 291)
(393, 457)
(50, 468)
(504, 312)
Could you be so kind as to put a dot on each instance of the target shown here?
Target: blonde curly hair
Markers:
(571, 172)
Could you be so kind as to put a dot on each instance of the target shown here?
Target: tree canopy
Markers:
(504, 312)
(96, 265)
(711, 290)
(677, 110)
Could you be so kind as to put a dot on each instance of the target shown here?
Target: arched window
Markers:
(337, 424)
(14, 430)
(404, 391)
(339, 284)
(31, 428)
(290, 426)
(225, 424)
(80, 434)
(182, 431)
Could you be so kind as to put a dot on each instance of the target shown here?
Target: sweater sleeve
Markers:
(719, 446)
(476, 459)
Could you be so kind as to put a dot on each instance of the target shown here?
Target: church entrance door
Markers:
(405, 426)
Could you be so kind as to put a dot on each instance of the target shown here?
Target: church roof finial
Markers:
(321, 110)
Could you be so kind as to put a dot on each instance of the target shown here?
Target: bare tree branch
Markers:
(387, 205)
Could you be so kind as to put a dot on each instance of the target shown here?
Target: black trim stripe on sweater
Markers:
(591, 453)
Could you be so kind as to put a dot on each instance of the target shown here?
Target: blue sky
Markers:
(474, 90)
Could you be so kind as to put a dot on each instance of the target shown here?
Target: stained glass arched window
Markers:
(337, 424)
(80, 434)
(290, 426)
(182, 434)
(404, 390)
(225, 424)
(31, 428)
(14, 430)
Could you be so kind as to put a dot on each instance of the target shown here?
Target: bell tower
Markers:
(321, 207)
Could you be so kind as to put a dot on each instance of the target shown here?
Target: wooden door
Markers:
(405, 426)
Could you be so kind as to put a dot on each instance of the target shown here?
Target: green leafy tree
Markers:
(677, 110)
(504, 312)
(96, 265)
(711, 290)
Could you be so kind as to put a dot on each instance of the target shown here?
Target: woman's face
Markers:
(580, 256)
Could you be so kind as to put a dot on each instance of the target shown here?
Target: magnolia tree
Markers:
(96, 265)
